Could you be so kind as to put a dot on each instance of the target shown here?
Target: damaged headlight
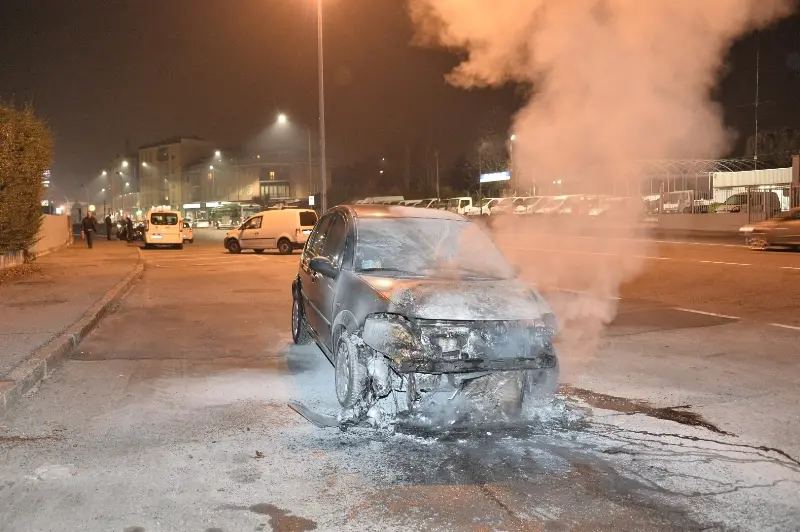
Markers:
(390, 334)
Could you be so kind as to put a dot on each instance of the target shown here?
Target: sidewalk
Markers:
(41, 311)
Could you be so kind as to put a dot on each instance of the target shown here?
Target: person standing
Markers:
(108, 227)
(129, 229)
(89, 227)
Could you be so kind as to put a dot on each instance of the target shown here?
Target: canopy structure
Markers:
(684, 171)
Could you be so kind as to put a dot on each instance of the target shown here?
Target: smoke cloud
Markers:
(612, 82)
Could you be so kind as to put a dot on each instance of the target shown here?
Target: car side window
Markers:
(253, 223)
(334, 240)
(317, 238)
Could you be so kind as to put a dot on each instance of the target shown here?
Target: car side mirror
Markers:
(324, 267)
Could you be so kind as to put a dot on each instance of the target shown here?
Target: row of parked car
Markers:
(583, 204)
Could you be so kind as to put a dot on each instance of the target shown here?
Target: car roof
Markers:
(364, 210)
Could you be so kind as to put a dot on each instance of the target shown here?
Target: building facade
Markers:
(161, 167)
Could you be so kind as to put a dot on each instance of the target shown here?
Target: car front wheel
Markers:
(351, 372)
(300, 335)
(234, 246)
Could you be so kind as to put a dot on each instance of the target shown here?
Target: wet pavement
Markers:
(173, 416)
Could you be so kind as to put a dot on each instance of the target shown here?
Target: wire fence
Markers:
(759, 202)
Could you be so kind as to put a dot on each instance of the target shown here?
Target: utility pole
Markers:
(758, 65)
(436, 153)
(323, 170)
(480, 184)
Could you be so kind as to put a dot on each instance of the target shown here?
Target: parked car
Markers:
(459, 205)
(527, 205)
(482, 209)
(396, 301)
(163, 228)
(284, 230)
(766, 202)
(188, 234)
(507, 205)
(782, 230)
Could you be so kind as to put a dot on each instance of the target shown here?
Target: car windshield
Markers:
(428, 247)
(531, 201)
(164, 219)
(505, 202)
(736, 199)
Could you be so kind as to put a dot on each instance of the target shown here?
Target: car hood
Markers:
(443, 299)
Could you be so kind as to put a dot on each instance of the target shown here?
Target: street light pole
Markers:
(322, 162)
(436, 153)
(310, 172)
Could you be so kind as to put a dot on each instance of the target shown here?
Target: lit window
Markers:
(272, 175)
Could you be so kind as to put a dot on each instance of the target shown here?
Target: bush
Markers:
(26, 151)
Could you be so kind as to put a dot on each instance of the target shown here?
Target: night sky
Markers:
(136, 71)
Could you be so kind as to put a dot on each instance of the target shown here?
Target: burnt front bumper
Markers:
(468, 365)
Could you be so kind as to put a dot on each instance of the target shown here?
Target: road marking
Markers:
(578, 292)
(790, 268)
(721, 262)
(643, 257)
(708, 313)
(782, 326)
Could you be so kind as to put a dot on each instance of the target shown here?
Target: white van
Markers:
(163, 228)
(284, 230)
(459, 205)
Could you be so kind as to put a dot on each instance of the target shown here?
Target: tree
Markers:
(775, 147)
(26, 151)
(462, 176)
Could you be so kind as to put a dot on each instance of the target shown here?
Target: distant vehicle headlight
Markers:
(390, 334)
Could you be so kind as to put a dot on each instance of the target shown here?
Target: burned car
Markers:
(412, 302)
(782, 230)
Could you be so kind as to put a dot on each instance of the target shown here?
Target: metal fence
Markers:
(759, 202)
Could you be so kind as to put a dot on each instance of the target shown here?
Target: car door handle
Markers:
(256, 233)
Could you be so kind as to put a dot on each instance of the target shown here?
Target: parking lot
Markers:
(173, 414)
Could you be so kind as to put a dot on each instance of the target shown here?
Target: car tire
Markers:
(191, 240)
(179, 246)
(284, 246)
(259, 251)
(234, 246)
(350, 372)
(300, 334)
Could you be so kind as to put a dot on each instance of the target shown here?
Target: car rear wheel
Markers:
(300, 334)
(284, 246)
(234, 246)
(258, 251)
(351, 372)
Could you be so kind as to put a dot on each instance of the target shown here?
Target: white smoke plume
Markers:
(612, 82)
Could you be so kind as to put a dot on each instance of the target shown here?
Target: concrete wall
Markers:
(728, 222)
(55, 233)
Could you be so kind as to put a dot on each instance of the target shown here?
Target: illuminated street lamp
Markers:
(218, 154)
(124, 164)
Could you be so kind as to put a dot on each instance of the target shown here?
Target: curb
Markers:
(39, 366)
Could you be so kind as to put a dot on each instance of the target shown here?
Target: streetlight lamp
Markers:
(283, 119)
(323, 170)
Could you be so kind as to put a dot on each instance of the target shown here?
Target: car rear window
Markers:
(163, 218)
(308, 219)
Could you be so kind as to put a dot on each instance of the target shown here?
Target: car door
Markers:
(325, 287)
(309, 290)
(250, 234)
(792, 228)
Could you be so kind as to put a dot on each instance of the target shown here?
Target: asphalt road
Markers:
(681, 415)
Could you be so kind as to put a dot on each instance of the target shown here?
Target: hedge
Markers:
(26, 151)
